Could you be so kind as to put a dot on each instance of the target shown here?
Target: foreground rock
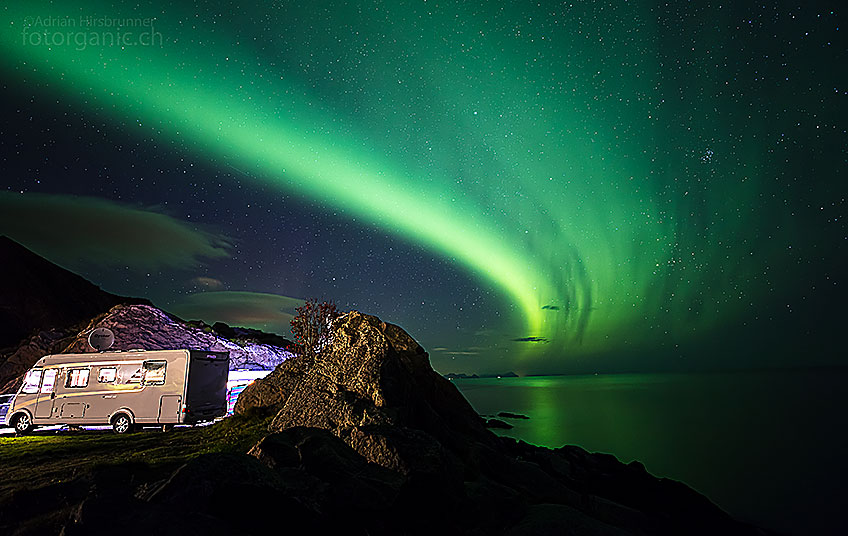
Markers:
(373, 375)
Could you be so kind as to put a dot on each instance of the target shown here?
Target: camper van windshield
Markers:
(31, 382)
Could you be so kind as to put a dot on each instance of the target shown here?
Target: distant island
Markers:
(463, 376)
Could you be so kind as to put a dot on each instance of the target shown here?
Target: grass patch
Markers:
(38, 460)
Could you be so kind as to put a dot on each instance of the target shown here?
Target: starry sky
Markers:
(542, 187)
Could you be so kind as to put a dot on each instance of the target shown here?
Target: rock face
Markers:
(145, 326)
(373, 374)
(15, 363)
(371, 400)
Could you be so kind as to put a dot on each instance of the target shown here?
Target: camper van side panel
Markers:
(170, 396)
(159, 384)
(88, 391)
(111, 384)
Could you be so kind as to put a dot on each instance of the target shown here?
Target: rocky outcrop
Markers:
(15, 362)
(144, 326)
(373, 376)
(374, 401)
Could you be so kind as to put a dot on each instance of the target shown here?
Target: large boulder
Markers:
(371, 374)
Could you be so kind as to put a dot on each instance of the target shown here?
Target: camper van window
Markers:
(107, 375)
(136, 376)
(154, 372)
(77, 378)
(49, 380)
(31, 382)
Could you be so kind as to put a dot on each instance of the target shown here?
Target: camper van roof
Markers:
(59, 359)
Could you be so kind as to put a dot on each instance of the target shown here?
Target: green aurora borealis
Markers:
(623, 176)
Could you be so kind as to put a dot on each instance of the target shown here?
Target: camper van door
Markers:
(44, 399)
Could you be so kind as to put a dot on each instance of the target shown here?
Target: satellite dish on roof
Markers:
(101, 339)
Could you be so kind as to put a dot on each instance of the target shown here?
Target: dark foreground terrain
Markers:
(365, 438)
(47, 477)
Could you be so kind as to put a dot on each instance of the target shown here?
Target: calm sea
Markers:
(769, 447)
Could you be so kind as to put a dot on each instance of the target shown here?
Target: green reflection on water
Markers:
(765, 446)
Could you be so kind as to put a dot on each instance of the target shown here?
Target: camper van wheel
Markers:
(121, 424)
(23, 424)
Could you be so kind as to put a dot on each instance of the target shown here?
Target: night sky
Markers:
(539, 187)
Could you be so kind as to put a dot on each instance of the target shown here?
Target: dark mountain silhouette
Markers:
(37, 295)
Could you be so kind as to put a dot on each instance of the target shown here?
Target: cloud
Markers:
(468, 351)
(530, 339)
(75, 231)
(485, 332)
(209, 283)
(268, 312)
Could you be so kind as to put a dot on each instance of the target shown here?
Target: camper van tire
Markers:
(122, 424)
(22, 423)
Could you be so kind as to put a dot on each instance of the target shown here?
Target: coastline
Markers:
(738, 437)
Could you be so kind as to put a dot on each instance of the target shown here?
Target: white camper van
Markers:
(124, 389)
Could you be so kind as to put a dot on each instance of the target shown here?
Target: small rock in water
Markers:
(508, 415)
(497, 423)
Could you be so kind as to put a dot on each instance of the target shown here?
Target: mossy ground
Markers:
(49, 458)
